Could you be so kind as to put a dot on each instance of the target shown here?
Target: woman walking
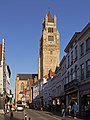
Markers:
(75, 110)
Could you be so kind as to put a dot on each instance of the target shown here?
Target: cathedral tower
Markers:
(49, 56)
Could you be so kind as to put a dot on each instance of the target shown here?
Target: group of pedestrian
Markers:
(71, 110)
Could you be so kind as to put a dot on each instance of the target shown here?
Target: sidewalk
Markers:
(5, 116)
(63, 118)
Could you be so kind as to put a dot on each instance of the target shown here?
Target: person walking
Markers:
(69, 110)
(75, 110)
(63, 110)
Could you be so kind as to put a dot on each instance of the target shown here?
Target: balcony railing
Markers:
(71, 84)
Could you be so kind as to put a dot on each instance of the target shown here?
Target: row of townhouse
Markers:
(5, 74)
(71, 82)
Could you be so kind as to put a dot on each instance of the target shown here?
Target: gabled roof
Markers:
(50, 19)
(26, 76)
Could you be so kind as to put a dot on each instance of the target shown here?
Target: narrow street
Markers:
(34, 115)
(43, 115)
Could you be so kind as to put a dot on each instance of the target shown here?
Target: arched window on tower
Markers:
(22, 86)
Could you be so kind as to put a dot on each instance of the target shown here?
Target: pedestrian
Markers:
(86, 110)
(63, 109)
(75, 110)
(69, 110)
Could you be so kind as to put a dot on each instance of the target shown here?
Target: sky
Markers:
(21, 26)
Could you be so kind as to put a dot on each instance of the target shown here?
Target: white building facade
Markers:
(4, 77)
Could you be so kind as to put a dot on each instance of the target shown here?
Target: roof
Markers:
(51, 73)
(50, 19)
(26, 76)
(73, 39)
(46, 77)
(77, 36)
(84, 30)
(0, 51)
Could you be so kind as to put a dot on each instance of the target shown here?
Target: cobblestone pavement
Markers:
(16, 116)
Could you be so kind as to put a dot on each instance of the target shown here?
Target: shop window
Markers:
(58, 102)
(54, 102)
(88, 68)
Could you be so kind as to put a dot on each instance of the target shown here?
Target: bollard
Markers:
(11, 115)
(29, 118)
(25, 118)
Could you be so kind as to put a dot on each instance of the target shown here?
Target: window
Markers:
(76, 53)
(71, 74)
(76, 72)
(50, 30)
(51, 52)
(71, 57)
(88, 68)
(68, 61)
(82, 71)
(82, 49)
(68, 76)
(22, 86)
(88, 44)
(50, 38)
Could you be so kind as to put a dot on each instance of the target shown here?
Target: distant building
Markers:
(49, 56)
(29, 90)
(38, 90)
(22, 85)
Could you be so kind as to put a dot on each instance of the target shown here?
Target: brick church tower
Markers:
(49, 54)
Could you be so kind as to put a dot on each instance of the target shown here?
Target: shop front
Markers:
(72, 97)
(71, 93)
(85, 100)
(57, 102)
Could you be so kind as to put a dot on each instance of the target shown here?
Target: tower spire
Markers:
(50, 19)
